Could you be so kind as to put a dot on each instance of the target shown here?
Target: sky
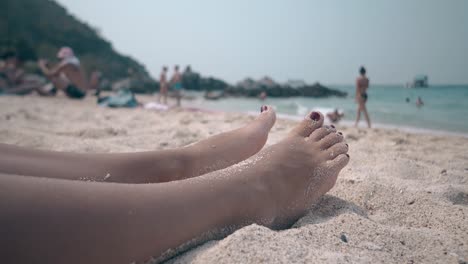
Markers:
(325, 41)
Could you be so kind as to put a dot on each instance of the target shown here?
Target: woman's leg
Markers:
(358, 115)
(165, 95)
(178, 97)
(208, 155)
(59, 221)
(25, 88)
(160, 95)
(366, 115)
(58, 82)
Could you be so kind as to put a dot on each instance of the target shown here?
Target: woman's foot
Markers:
(217, 152)
(300, 169)
(214, 153)
(223, 150)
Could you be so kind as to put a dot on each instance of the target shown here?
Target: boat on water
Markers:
(418, 82)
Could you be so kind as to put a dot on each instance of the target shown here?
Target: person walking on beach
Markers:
(163, 86)
(176, 82)
(362, 84)
(68, 75)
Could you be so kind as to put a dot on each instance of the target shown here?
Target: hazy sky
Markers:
(324, 40)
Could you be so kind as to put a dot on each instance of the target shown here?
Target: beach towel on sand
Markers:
(156, 106)
(123, 98)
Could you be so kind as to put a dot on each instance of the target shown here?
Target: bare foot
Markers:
(212, 154)
(300, 169)
(217, 152)
(223, 150)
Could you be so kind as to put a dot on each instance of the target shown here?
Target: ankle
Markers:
(264, 197)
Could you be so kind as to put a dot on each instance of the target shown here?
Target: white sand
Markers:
(403, 198)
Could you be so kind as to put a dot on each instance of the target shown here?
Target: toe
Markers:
(267, 110)
(321, 133)
(310, 123)
(336, 150)
(267, 115)
(330, 140)
(339, 162)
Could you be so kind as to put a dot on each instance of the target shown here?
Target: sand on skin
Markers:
(403, 198)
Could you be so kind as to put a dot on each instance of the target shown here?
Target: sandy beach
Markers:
(403, 198)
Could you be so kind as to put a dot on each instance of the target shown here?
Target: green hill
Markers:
(38, 28)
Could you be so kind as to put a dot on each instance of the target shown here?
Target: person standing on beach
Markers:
(362, 84)
(163, 86)
(176, 82)
(68, 75)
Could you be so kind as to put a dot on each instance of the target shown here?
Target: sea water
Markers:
(445, 106)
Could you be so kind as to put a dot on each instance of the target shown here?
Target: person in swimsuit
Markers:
(176, 82)
(15, 81)
(63, 207)
(335, 116)
(419, 102)
(163, 86)
(362, 84)
(67, 76)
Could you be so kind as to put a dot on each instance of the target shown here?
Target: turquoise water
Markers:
(445, 107)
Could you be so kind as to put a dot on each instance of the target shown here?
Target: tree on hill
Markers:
(38, 28)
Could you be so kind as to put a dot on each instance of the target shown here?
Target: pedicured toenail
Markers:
(339, 133)
(346, 145)
(332, 126)
(263, 108)
(347, 155)
(315, 116)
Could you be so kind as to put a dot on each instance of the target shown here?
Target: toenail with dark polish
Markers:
(347, 145)
(263, 108)
(332, 126)
(315, 116)
(347, 155)
(339, 133)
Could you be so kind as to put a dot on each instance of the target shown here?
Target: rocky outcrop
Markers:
(194, 81)
(252, 88)
(318, 90)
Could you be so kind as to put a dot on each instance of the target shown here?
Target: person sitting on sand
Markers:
(163, 86)
(59, 207)
(95, 82)
(14, 79)
(335, 116)
(176, 82)
(67, 76)
(362, 84)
